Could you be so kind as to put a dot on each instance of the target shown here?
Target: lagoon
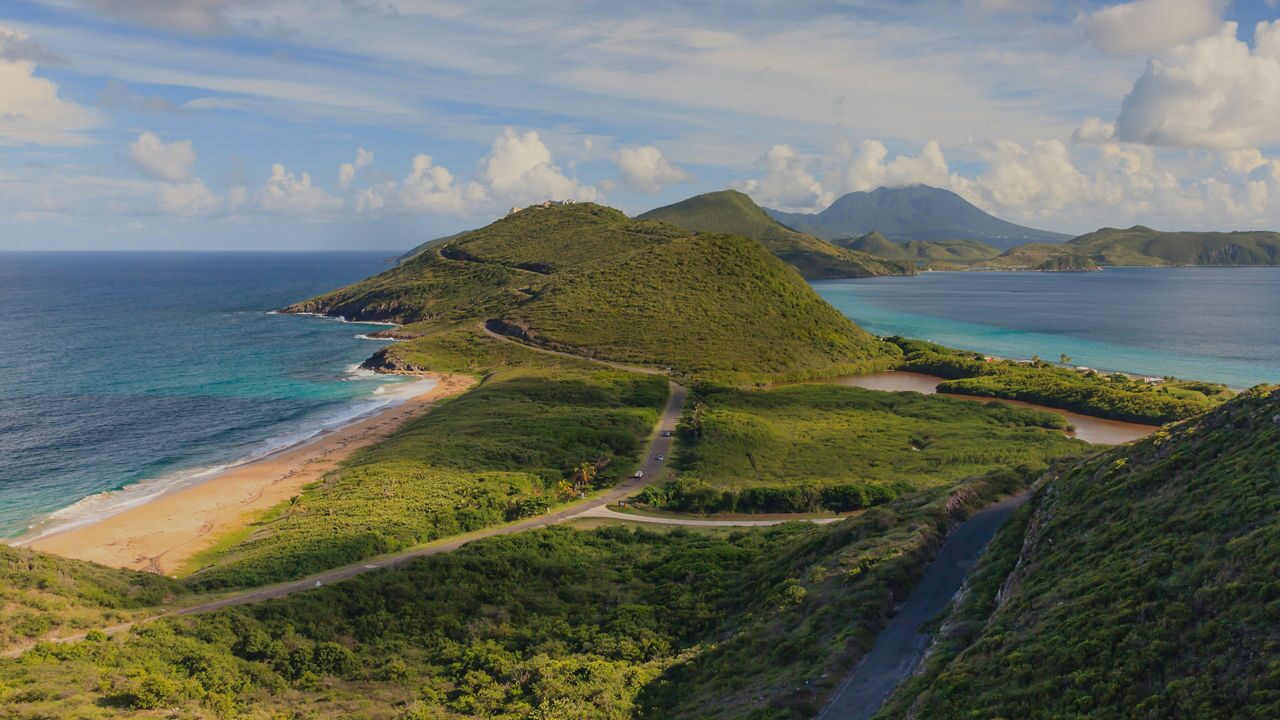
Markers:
(1216, 324)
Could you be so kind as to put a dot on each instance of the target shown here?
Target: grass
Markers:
(587, 279)
(814, 447)
(1115, 396)
(668, 306)
(1144, 584)
(734, 213)
(926, 252)
(501, 451)
(43, 595)
(607, 623)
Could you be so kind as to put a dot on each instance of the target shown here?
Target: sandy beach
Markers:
(161, 535)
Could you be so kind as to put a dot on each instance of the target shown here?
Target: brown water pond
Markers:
(1088, 428)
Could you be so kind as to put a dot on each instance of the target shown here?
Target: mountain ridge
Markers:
(914, 212)
(734, 213)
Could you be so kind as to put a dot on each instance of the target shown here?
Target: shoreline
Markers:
(165, 532)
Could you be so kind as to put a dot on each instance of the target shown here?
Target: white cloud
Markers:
(193, 16)
(786, 182)
(1094, 130)
(427, 188)
(519, 170)
(31, 111)
(347, 170)
(789, 181)
(288, 194)
(866, 169)
(646, 169)
(188, 199)
(1148, 27)
(1213, 93)
(1041, 179)
(174, 162)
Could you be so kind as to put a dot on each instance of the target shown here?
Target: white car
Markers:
(639, 474)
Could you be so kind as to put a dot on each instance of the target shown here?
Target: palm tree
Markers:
(584, 474)
(1065, 359)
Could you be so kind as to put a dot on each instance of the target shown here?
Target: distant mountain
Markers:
(1142, 246)
(733, 213)
(921, 251)
(917, 212)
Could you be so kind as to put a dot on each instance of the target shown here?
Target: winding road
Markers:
(901, 644)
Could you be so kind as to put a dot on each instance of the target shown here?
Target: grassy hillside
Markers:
(588, 279)
(925, 252)
(733, 213)
(43, 595)
(1142, 246)
(804, 448)
(554, 623)
(507, 449)
(1143, 584)
(1115, 396)
(917, 212)
(708, 305)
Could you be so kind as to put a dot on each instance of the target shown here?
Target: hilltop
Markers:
(1143, 246)
(1141, 583)
(732, 212)
(917, 212)
(586, 279)
(921, 251)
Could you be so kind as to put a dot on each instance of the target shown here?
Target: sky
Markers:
(378, 124)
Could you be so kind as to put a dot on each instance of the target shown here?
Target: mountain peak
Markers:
(913, 212)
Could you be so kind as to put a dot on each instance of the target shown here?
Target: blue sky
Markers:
(377, 124)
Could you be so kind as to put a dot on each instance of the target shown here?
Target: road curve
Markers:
(547, 351)
(901, 644)
(659, 444)
(604, 512)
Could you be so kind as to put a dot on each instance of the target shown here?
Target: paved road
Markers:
(659, 444)
(605, 512)
(901, 644)
(546, 351)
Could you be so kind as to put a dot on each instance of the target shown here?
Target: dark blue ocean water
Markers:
(145, 370)
(1219, 324)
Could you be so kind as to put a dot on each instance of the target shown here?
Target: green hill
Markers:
(587, 279)
(1142, 246)
(42, 595)
(917, 212)
(1143, 583)
(733, 213)
(921, 251)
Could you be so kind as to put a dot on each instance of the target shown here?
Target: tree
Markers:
(584, 474)
(1065, 359)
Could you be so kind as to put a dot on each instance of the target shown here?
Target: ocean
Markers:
(1217, 324)
(126, 374)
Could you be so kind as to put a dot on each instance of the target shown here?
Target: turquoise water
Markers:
(1218, 324)
(126, 374)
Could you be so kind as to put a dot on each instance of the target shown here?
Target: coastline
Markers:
(161, 535)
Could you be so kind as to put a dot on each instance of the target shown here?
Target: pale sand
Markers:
(163, 534)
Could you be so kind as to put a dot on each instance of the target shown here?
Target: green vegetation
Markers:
(1143, 246)
(553, 623)
(928, 253)
(1068, 263)
(42, 594)
(585, 279)
(708, 305)
(917, 212)
(1146, 583)
(731, 212)
(805, 448)
(1115, 396)
(507, 449)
